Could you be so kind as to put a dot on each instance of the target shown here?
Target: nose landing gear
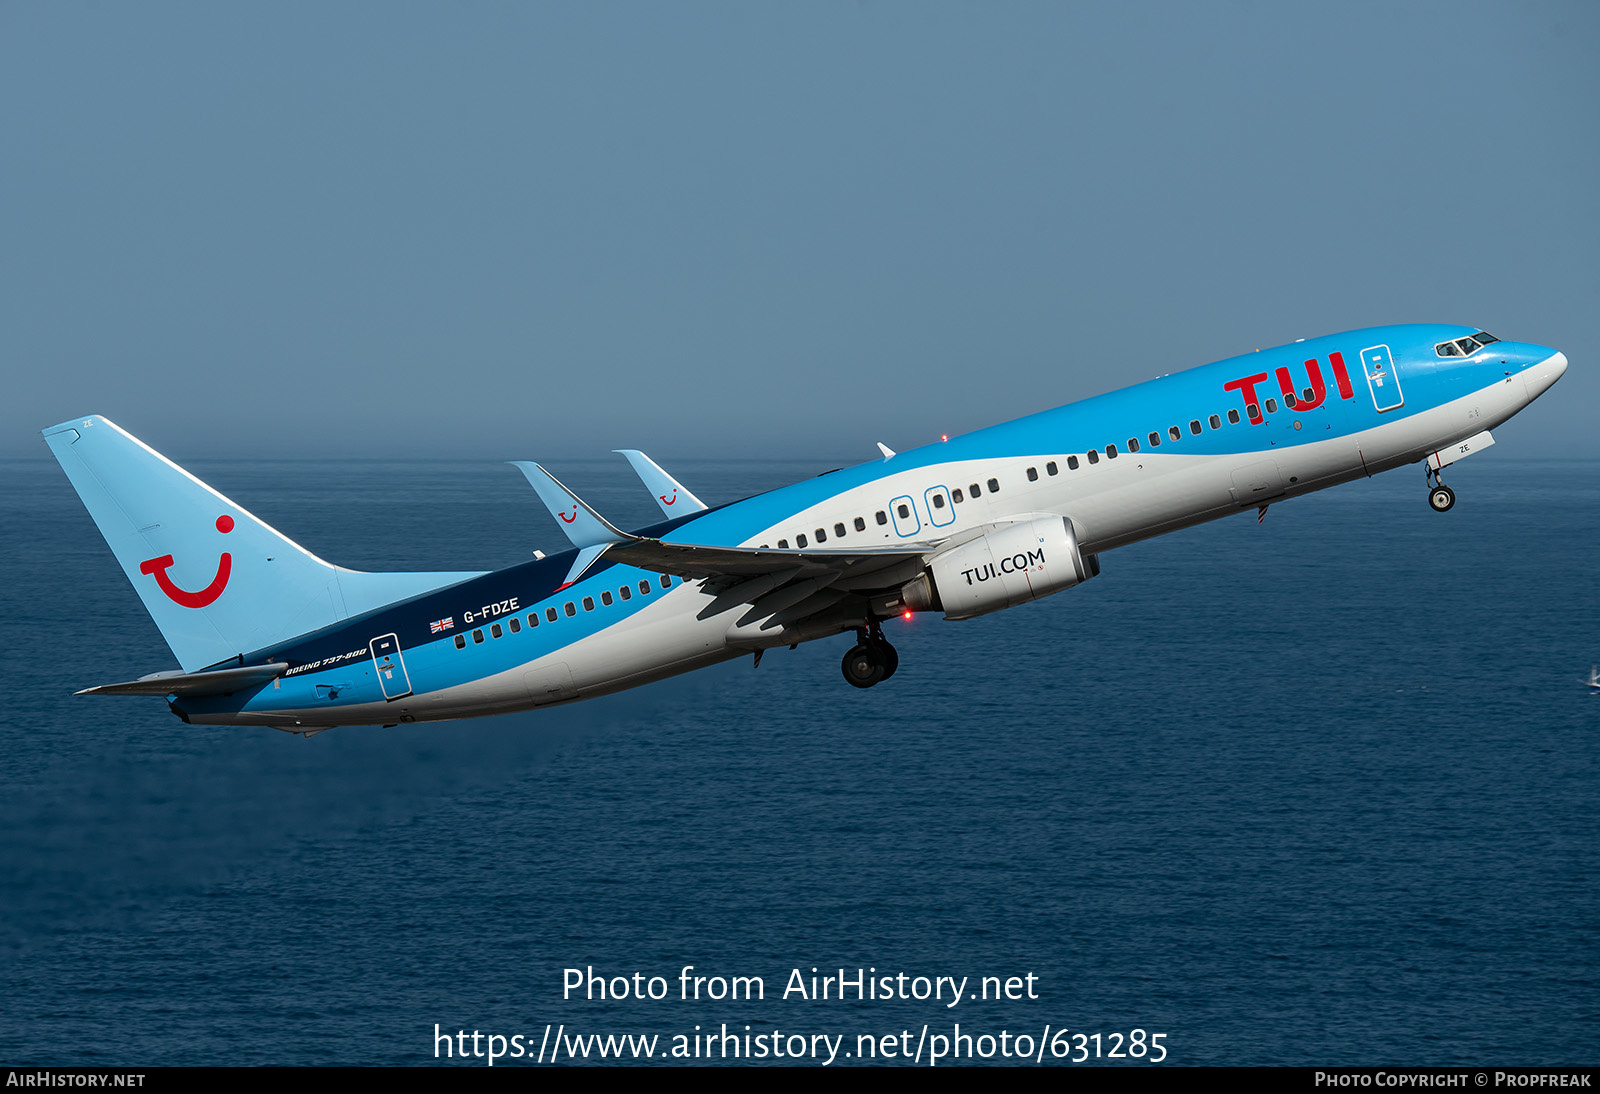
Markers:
(1440, 497)
(871, 660)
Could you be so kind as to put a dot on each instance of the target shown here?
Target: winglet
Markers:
(583, 526)
(888, 453)
(671, 495)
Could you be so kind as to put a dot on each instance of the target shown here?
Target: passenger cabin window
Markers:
(1094, 457)
(666, 582)
(588, 603)
(822, 535)
(516, 625)
(533, 619)
(1255, 411)
(881, 517)
(938, 501)
(1216, 422)
(994, 486)
(461, 641)
(781, 543)
(605, 598)
(644, 588)
(570, 608)
(1233, 417)
(1133, 444)
(495, 631)
(1272, 406)
(550, 614)
(1155, 440)
(477, 636)
(861, 525)
(1174, 432)
(1072, 463)
(1194, 426)
(974, 491)
(1033, 474)
(903, 511)
(1111, 451)
(958, 496)
(625, 592)
(1051, 468)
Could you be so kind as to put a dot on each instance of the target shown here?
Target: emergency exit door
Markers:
(390, 667)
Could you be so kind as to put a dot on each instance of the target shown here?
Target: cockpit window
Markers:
(1464, 347)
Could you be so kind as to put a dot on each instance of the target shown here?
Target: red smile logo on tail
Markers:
(669, 501)
(158, 568)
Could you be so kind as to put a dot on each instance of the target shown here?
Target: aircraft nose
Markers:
(1539, 378)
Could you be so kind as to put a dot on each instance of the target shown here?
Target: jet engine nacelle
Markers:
(1007, 565)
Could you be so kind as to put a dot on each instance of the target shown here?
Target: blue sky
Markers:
(535, 231)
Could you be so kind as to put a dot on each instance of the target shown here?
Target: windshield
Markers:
(1464, 347)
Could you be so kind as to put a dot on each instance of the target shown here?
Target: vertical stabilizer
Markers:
(217, 581)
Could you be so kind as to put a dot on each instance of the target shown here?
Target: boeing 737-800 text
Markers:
(268, 634)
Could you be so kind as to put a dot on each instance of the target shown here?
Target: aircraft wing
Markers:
(671, 495)
(214, 682)
(694, 560)
(700, 560)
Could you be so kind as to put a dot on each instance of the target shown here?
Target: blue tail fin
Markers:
(217, 581)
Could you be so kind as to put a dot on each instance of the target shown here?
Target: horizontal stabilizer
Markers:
(583, 526)
(673, 497)
(215, 682)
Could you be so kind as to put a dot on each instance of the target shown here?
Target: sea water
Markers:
(1318, 789)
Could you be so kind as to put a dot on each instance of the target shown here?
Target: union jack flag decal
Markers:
(439, 626)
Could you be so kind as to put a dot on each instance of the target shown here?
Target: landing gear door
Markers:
(390, 667)
(1382, 380)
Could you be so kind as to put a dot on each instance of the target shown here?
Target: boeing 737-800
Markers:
(268, 634)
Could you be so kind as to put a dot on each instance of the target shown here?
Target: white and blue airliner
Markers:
(268, 634)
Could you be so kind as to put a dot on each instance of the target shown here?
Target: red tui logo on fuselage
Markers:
(1309, 399)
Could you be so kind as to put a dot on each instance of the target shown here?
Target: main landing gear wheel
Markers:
(871, 660)
(863, 666)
